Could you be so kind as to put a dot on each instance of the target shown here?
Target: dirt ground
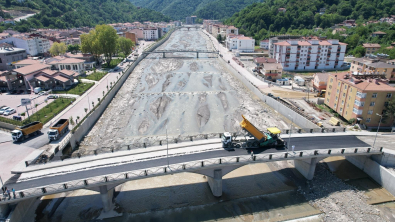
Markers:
(188, 95)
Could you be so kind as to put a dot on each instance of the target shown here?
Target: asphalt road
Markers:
(309, 143)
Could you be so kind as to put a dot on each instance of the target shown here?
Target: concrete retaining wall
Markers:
(90, 121)
(379, 173)
(299, 120)
(21, 209)
(7, 126)
(387, 159)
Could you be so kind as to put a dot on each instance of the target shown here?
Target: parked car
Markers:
(116, 68)
(52, 97)
(37, 90)
(13, 91)
(9, 112)
(2, 110)
(43, 93)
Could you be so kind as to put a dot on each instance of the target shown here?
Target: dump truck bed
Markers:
(245, 124)
(59, 123)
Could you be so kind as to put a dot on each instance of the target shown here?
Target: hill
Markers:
(260, 18)
(206, 9)
(77, 13)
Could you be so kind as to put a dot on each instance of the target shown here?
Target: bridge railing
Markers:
(192, 166)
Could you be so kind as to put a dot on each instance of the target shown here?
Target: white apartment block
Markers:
(310, 55)
(240, 43)
(151, 34)
(33, 46)
(264, 44)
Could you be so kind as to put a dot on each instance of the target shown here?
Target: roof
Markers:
(304, 43)
(49, 72)
(322, 77)
(379, 33)
(68, 72)
(3, 79)
(324, 43)
(67, 61)
(272, 66)
(365, 84)
(232, 27)
(42, 78)
(285, 43)
(61, 78)
(264, 60)
(31, 68)
(371, 45)
(28, 62)
(266, 40)
(380, 65)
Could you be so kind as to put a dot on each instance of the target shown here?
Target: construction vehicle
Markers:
(321, 94)
(257, 138)
(334, 121)
(22, 133)
(58, 129)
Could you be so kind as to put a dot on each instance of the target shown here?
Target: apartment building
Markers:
(231, 30)
(368, 66)
(218, 29)
(240, 43)
(371, 48)
(32, 45)
(320, 81)
(151, 34)
(359, 97)
(277, 39)
(264, 44)
(8, 56)
(311, 54)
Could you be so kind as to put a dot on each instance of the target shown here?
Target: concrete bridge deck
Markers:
(206, 163)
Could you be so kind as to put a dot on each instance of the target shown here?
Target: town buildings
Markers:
(151, 34)
(359, 97)
(368, 65)
(264, 44)
(320, 81)
(371, 48)
(269, 68)
(311, 54)
(10, 55)
(280, 38)
(33, 45)
(240, 43)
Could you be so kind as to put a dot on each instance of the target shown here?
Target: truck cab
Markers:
(16, 135)
(226, 140)
(52, 134)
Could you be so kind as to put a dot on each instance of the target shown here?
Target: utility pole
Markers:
(167, 144)
(381, 117)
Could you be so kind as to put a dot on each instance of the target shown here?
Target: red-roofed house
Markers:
(319, 81)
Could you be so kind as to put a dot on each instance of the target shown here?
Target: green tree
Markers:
(107, 40)
(73, 48)
(125, 46)
(219, 37)
(58, 49)
(389, 112)
(359, 51)
(90, 44)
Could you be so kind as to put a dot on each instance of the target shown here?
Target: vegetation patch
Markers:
(113, 63)
(77, 89)
(96, 76)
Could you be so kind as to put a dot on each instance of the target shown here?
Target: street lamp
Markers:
(290, 132)
(167, 144)
(381, 117)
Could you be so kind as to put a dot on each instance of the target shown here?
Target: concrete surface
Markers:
(11, 155)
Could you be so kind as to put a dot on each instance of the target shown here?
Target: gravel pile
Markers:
(338, 200)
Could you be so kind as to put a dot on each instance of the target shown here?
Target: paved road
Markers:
(309, 143)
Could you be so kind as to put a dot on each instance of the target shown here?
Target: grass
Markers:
(113, 63)
(45, 114)
(313, 72)
(257, 47)
(325, 108)
(96, 76)
(78, 89)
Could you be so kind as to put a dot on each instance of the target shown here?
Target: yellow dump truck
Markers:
(58, 129)
(23, 132)
(259, 139)
(321, 94)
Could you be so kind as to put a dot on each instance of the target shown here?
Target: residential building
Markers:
(371, 48)
(32, 45)
(27, 73)
(283, 10)
(9, 56)
(271, 71)
(151, 34)
(259, 61)
(27, 62)
(370, 66)
(188, 20)
(359, 97)
(218, 29)
(322, 11)
(138, 32)
(132, 36)
(231, 30)
(264, 44)
(240, 43)
(311, 54)
(65, 63)
(9, 21)
(378, 34)
(320, 81)
(89, 60)
(280, 38)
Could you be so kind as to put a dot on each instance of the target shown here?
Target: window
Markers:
(338, 84)
(350, 89)
(359, 103)
(327, 100)
(370, 112)
(368, 120)
(374, 95)
(337, 91)
(345, 86)
(349, 97)
(361, 95)
(331, 80)
(357, 111)
(335, 105)
(344, 95)
(389, 95)
(372, 103)
(329, 93)
(342, 102)
(336, 98)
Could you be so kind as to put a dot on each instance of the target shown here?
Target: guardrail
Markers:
(185, 167)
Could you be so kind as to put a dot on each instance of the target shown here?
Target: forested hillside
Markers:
(77, 13)
(206, 9)
(260, 18)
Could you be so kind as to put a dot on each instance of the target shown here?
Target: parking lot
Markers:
(14, 100)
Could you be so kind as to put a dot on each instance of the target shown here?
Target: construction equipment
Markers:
(22, 133)
(334, 121)
(258, 139)
(321, 94)
(58, 129)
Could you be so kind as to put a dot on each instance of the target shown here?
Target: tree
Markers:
(73, 48)
(89, 44)
(219, 37)
(58, 49)
(359, 51)
(125, 46)
(389, 112)
(107, 40)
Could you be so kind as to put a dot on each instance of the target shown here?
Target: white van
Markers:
(37, 90)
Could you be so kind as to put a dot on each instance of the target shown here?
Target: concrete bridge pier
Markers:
(164, 55)
(215, 183)
(197, 55)
(107, 197)
(307, 167)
